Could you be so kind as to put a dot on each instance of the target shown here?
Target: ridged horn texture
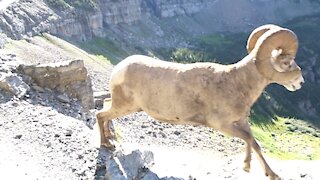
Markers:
(257, 33)
(275, 38)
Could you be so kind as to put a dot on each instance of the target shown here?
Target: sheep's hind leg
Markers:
(104, 118)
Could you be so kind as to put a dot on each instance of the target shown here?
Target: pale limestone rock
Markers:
(12, 83)
(68, 77)
(132, 166)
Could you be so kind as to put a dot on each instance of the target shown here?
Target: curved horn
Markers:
(278, 38)
(257, 33)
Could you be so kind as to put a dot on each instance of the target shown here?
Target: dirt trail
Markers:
(207, 165)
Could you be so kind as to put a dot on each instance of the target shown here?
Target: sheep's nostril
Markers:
(301, 83)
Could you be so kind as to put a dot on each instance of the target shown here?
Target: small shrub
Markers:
(188, 56)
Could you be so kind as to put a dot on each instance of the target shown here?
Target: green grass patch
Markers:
(73, 49)
(185, 55)
(222, 48)
(105, 48)
(228, 48)
(280, 142)
(215, 40)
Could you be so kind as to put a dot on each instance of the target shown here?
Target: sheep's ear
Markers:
(279, 38)
(257, 33)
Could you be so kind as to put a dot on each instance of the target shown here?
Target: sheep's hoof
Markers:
(108, 146)
(246, 167)
(107, 143)
(273, 176)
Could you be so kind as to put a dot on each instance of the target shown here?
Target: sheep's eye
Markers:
(286, 63)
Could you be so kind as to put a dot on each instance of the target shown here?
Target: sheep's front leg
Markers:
(247, 159)
(243, 124)
(268, 170)
(242, 130)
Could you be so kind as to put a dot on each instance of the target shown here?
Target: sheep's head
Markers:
(274, 49)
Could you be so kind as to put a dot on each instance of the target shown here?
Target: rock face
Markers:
(66, 77)
(78, 24)
(164, 8)
(131, 11)
(28, 18)
(123, 11)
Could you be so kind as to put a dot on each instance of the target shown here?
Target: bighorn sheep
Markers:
(209, 94)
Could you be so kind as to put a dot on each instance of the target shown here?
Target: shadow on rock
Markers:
(4, 96)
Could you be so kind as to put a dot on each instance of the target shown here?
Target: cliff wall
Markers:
(28, 18)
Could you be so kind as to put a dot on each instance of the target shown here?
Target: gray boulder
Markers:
(68, 77)
(132, 166)
(14, 84)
